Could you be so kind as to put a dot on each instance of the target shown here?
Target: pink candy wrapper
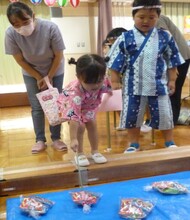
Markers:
(85, 199)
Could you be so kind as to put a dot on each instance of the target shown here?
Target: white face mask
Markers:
(25, 30)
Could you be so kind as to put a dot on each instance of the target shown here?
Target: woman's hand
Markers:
(41, 84)
(74, 145)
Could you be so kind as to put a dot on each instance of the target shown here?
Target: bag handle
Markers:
(46, 78)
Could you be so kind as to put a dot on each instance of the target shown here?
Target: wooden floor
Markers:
(17, 138)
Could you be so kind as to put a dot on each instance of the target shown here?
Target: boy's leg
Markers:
(161, 117)
(132, 117)
(133, 134)
(168, 137)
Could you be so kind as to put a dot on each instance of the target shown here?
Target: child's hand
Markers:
(74, 145)
(171, 87)
(116, 85)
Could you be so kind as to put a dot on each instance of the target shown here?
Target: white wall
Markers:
(75, 32)
(76, 36)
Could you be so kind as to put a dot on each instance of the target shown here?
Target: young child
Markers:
(147, 57)
(111, 38)
(79, 102)
(114, 34)
(105, 47)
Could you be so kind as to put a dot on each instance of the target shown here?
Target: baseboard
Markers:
(13, 99)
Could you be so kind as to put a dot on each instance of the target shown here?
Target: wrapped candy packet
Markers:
(35, 206)
(85, 199)
(169, 187)
(135, 208)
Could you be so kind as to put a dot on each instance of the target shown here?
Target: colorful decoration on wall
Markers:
(74, 3)
(62, 3)
(36, 2)
(49, 2)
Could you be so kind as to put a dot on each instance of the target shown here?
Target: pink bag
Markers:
(48, 101)
(111, 102)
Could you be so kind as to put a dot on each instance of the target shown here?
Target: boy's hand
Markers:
(171, 87)
(116, 85)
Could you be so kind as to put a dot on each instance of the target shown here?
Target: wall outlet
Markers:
(82, 44)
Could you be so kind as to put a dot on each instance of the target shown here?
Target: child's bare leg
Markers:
(93, 139)
(91, 127)
(168, 137)
(80, 136)
(133, 134)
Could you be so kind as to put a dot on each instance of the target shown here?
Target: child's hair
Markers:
(150, 4)
(19, 9)
(105, 42)
(90, 68)
(115, 33)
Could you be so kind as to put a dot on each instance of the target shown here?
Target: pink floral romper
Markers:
(75, 103)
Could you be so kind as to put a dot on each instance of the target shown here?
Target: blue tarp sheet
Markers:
(167, 207)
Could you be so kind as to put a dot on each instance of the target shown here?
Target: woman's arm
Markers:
(31, 71)
(21, 62)
(55, 64)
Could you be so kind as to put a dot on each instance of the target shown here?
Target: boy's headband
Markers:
(146, 7)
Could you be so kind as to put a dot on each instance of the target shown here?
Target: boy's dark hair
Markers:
(19, 9)
(115, 33)
(90, 68)
(146, 3)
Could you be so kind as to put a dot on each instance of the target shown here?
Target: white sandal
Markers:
(99, 158)
(82, 160)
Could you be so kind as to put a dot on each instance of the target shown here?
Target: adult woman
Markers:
(37, 46)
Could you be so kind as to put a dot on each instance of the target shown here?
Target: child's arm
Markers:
(172, 76)
(73, 127)
(115, 79)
